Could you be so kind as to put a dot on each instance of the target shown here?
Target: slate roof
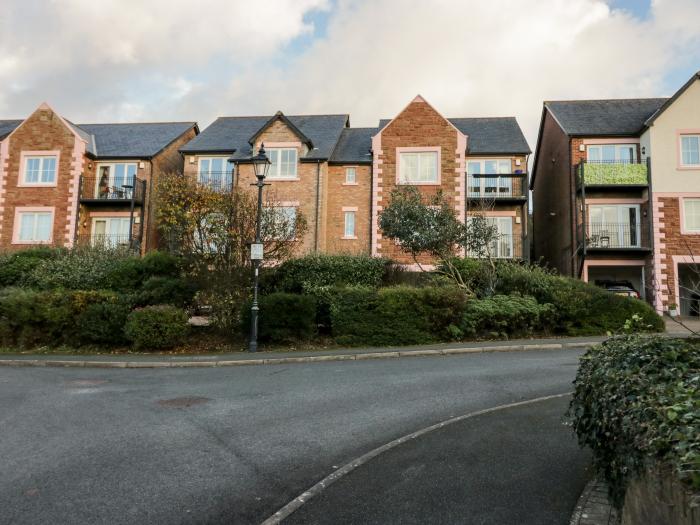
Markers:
(354, 146)
(231, 135)
(604, 117)
(8, 126)
(136, 140)
(493, 135)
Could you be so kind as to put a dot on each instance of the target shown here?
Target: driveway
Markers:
(234, 445)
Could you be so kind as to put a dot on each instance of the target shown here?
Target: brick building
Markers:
(341, 177)
(616, 193)
(63, 183)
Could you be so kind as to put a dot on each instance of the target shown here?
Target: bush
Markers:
(31, 318)
(16, 266)
(103, 323)
(133, 272)
(306, 274)
(156, 327)
(505, 315)
(395, 316)
(176, 291)
(636, 403)
(284, 317)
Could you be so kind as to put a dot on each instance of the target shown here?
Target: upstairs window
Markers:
(612, 153)
(115, 180)
(350, 176)
(40, 170)
(419, 167)
(284, 163)
(482, 179)
(215, 172)
(690, 150)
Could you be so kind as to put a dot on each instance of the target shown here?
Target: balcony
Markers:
(218, 181)
(610, 236)
(502, 186)
(108, 241)
(613, 174)
(505, 246)
(95, 190)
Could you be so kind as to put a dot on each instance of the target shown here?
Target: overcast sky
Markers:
(140, 60)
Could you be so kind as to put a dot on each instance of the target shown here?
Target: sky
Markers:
(151, 60)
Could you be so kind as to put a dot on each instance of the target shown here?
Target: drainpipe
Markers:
(149, 213)
(77, 211)
(318, 203)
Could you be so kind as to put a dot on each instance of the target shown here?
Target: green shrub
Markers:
(177, 291)
(505, 315)
(306, 274)
(31, 318)
(156, 327)
(636, 403)
(131, 273)
(103, 323)
(16, 266)
(283, 317)
(395, 316)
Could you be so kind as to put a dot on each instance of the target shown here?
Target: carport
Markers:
(598, 272)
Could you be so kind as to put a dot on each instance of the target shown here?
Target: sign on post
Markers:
(256, 252)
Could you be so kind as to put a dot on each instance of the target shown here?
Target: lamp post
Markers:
(261, 164)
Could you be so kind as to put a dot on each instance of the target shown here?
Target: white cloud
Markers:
(116, 59)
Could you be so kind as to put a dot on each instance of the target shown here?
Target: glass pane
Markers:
(504, 166)
(491, 166)
(119, 177)
(48, 171)
(594, 154)
(43, 226)
(428, 167)
(350, 175)
(32, 174)
(626, 153)
(100, 227)
(691, 150)
(26, 226)
(608, 153)
(274, 169)
(473, 168)
(103, 184)
(349, 224)
(204, 168)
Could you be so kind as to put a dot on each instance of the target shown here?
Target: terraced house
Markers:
(616, 193)
(341, 177)
(63, 183)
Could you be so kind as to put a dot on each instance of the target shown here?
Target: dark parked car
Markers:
(620, 288)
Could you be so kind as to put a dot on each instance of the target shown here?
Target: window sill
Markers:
(350, 184)
(400, 183)
(37, 185)
(18, 242)
(353, 238)
(282, 179)
(688, 167)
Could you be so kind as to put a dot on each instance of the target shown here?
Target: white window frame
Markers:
(42, 158)
(622, 211)
(112, 239)
(224, 175)
(20, 212)
(284, 206)
(350, 214)
(501, 248)
(275, 171)
(112, 188)
(350, 181)
(618, 149)
(680, 146)
(422, 155)
(685, 207)
(490, 186)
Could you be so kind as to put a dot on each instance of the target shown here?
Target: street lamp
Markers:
(260, 164)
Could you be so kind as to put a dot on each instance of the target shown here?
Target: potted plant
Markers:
(673, 310)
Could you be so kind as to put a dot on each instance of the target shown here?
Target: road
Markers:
(234, 445)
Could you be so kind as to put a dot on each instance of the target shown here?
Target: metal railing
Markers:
(504, 246)
(107, 240)
(497, 186)
(215, 180)
(613, 173)
(95, 188)
(616, 235)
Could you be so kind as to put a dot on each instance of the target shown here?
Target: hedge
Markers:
(506, 315)
(283, 317)
(398, 315)
(15, 266)
(636, 403)
(156, 327)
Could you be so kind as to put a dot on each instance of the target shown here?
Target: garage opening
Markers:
(689, 289)
(618, 277)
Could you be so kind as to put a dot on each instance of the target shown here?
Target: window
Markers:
(691, 215)
(35, 227)
(350, 176)
(115, 181)
(614, 226)
(419, 167)
(284, 163)
(40, 170)
(279, 222)
(110, 231)
(612, 153)
(215, 172)
(501, 246)
(349, 225)
(489, 186)
(690, 150)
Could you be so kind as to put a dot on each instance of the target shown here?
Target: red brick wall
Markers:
(340, 195)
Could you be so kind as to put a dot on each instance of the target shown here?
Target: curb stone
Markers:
(290, 360)
(593, 507)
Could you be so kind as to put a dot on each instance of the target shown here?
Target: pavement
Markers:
(234, 445)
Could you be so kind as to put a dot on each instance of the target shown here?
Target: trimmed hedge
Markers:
(636, 404)
(156, 327)
(398, 315)
(506, 315)
(283, 317)
(16, 266)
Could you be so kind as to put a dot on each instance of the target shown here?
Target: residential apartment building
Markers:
(341, 177)
(63, 183)
(616, 193)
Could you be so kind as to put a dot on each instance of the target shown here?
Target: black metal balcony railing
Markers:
(497, 186)
(98, 189)
(107, 240)
(612, 235)
(505, 246)
(216, 180)
(612, 173)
